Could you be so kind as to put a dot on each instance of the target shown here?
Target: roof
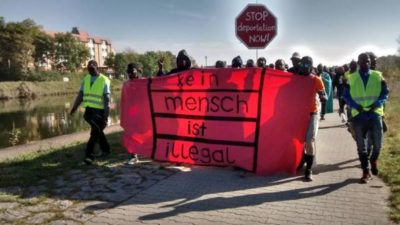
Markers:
(82, 36)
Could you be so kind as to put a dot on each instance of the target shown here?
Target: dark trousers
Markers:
(97, 122)
(323, 108)
(372, 127)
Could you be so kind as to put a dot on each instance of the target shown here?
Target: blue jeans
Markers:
(362, 128)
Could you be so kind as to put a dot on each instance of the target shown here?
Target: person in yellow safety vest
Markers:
(95, 96)
(366, 95)
(352, 69)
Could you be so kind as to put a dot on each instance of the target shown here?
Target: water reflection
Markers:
(23, 121)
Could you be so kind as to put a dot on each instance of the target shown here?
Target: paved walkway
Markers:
(206, 195)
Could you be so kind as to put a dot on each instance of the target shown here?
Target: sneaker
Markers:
(365, 178)
(88, 161)
(131, 161)
(374, 168)
(322, 117)
(308, 175)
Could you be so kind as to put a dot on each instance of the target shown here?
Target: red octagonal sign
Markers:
(256, 26)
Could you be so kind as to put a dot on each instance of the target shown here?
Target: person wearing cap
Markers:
(366, 94)
(305, 69)
(295, 62)
(183, 63)
(95, 96)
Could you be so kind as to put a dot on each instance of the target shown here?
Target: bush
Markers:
(42, 76)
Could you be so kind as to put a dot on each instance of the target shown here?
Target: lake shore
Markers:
(50, 143)
(31, 90)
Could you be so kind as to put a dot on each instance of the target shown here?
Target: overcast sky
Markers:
(332, 32)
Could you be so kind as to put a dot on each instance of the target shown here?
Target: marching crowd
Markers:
(360, 89)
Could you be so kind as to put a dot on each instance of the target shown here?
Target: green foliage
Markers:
(69, 52)
(44, 49)
(38, 75)
(59, 160)
(389, 66)
(147, 62)
(389, 159)
(16, 41)
(120, 63)
(14, 135)
(109, 60)
(24, 44)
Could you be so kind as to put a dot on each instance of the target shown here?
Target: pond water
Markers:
(23, 121)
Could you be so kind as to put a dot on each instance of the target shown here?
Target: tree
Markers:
(69, 53)
(16, 41)
(120, 63)
(110, 60)
(44, 50)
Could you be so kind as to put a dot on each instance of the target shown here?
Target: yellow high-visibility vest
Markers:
(93, 95)
(347, 75)
(366, 95)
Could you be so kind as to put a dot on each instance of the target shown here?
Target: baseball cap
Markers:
(295, 55)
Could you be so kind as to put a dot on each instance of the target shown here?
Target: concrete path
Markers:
(206, 195)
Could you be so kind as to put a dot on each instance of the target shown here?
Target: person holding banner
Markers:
(237, 62)
(250, 63)
(132, 71)
(95, 95)
(220, 64)
(280, 65)
(183, 63)
(261, 62)
(305, 69)
(295, 62)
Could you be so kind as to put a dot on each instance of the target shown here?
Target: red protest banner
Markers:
(248, 118)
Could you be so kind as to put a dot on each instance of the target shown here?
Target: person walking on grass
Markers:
(94, 93)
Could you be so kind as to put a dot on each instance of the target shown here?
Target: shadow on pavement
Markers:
(323, 168)
(59, 177)
(218, 203)
(330, 127)
(66, 183)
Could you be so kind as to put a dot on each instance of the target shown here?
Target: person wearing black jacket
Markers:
(182, 63)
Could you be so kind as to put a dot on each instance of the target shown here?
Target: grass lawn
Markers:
(30, 169)
(27, 89)
(389, 160)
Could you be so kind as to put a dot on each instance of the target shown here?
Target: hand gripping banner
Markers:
(250, 118)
